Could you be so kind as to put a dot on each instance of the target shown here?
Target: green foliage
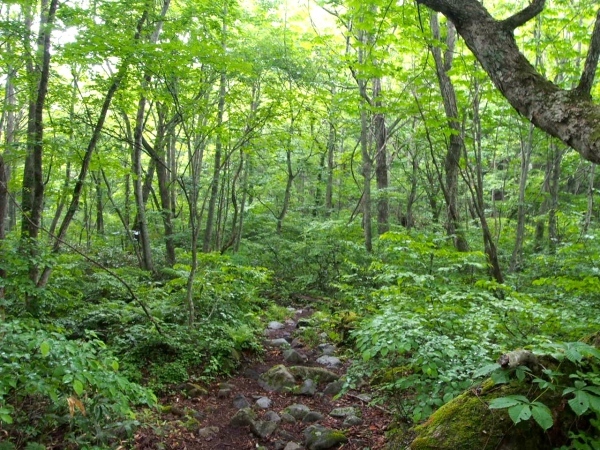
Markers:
(580, 385)
(49, 384)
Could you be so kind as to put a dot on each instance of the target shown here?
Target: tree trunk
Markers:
(367, 168)
(214, 187)
(33, 183)
(590, 204)
(568, 114)
(381, 160)
(526, 148)
(455, 143)
(556, 155)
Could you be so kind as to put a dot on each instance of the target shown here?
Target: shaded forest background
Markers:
(174, 172)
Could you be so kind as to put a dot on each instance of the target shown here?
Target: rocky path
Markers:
(285, 401)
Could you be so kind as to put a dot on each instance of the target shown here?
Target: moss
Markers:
(467, 423)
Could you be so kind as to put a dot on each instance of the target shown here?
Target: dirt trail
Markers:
(203, 420)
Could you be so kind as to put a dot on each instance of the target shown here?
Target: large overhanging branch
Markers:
(569, 115)
(591, 62)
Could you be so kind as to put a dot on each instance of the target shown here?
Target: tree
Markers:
(568, 114)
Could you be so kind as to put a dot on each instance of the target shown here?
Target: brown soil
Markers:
(171, 432)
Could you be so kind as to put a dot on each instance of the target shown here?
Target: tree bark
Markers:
(568, 114)
(381, 160)
(443, 64)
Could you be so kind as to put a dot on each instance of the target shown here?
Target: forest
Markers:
(412, 183)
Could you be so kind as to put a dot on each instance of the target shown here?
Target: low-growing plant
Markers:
(72, 389)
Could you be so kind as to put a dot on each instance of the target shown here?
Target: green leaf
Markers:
(486, 370)
(503, 402)
(542, 415)
(594, 403)
(45, 348)
(519, 412)
(78, 387)
(580, 403)
(6, 418)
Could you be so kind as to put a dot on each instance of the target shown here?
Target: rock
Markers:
(264, 402)
(317, 374)
(365, 397)
(297, 411)
(288, 418)
(297, 343)
(313, 416)
(290, 322)
(294, 357)
(192, 390)
(351, 421)
(262, 428)
(279, 342)
(329, 361)
(327, 349)
(334, 388)
(278, 378)
(223, 393)
(243, 417)
(272, 416)
(274, 325)
(241, 402)
(292, 446)
(308, 388)
(318, 437)
(177, 411)
(208, 432)
(286, 435)
(345, 411)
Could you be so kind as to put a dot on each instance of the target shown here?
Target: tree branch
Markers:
(524, 16)
(591, 62)
(565, 114)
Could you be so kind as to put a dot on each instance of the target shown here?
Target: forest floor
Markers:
(203, 420)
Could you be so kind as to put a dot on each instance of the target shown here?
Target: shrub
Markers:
(51, 386)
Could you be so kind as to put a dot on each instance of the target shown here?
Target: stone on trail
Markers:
(329, 361)
(208, 432)
(294, 357)
(192, 390)
(318, 374)
(278, 378)
(263, 429)
(288, 418)
(264, 402)
(345, 411)
(243, 417)
(274, 325)
(319, 437)
(292, 446)
(327, 349)
(279, 342)
(334, 388)
(272, 416)
(241, 402)
(313, 416)
(297, 411)
(308, 388)
(351, 421)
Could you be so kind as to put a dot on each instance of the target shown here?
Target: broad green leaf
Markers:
(580, 403)
(45, 348)
(594, 403)
(503, 402)
(542, 415)
(6, 418)
(78, 387)
(486, 370)
(519, 412)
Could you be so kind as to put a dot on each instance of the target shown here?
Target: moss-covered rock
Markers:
(467, 423)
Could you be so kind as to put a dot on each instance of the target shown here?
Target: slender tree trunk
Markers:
(381, 160)
(33, 182)
(476, 187)
(443, 64)
(556, 155)
(367, 169)
(330, 159)
(289, 183)
(526, 148)
(214, 187)
(590, 204)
